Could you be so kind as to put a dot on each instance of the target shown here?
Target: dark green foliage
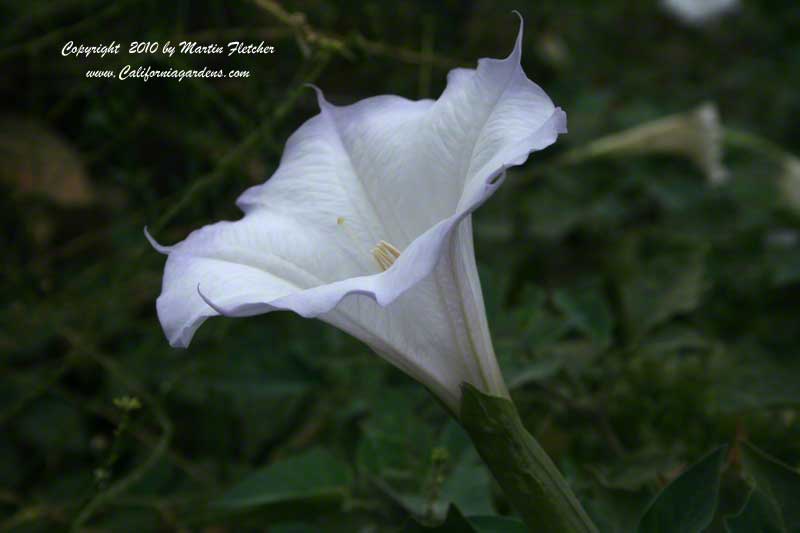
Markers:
(641, 315)
(772, 505)
(456, 523)
(686, 505)
(314, 474)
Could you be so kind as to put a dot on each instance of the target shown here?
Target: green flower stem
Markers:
(530, 480)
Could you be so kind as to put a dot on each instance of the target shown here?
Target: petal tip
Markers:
(519, 16)
(179, 343)
(160, 248)
(178, 337)
(561, 126)
(321, 101)
(518, 43)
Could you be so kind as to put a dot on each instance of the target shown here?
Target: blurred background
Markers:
(641, 276)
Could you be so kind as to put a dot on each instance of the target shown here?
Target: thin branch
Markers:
(307, 34)
(158, 451)
(194, 471)
(39, 389)
(56, 36)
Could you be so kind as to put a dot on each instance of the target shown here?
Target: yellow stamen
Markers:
(385, 254)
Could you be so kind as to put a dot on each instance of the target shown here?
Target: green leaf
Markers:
(635, 470)
(524, 374)
(469, 486)
(756, 516)
(455, 522)
(674, 339)
(616, 510)
(388, 453)
(496, 524)
(758, 380)
(588, 311)
(315, 474)
(779, 484)
(462, 477)
(687, 504)
(660, 288)
(398, 462)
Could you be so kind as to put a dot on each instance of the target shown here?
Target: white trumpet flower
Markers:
(696, 134)
(366, 225)
(699, 12)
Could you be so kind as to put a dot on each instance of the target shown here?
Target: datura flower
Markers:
(366, 225)
(699, 12)
(696, 134)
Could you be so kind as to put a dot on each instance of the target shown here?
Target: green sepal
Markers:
(529, 479)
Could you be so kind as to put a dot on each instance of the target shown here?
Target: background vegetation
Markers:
(643, 316)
